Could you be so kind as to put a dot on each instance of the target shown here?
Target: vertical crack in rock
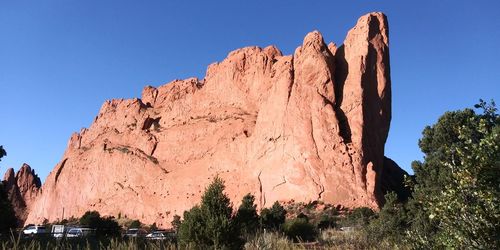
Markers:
(63, 163)
(322, 190)
(79, 141)
(155, 96)
(292, 80)
(155, 144)
(262, 196)
(314, 139)
(317, 183)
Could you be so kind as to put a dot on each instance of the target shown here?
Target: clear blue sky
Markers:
(60, 60)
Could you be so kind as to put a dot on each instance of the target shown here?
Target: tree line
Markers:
(454, 200)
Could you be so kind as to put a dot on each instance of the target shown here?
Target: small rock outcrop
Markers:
(22, 189)
(308, 126)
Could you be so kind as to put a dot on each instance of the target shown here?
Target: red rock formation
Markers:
(310, 126)
(22, 189)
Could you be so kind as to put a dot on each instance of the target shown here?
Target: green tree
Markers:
(274, 217)
(2, 152)
(299, 229)
(8, 218)
(211, 224)
(326, 221)
(192, 230)
(109, 227)
(391, 222)
(457, 186)
(247, 218)
(135, 224)
(105, 226)
(176, 223)
(90, 219)
(358, 217)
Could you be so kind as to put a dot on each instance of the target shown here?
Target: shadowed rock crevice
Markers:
(341, 72)
(151, 122)
(59, 170)
(262, 196)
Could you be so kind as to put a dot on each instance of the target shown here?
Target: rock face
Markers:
(308, 126)
(22, 189)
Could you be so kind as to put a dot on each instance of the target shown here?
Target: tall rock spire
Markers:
(22, 189)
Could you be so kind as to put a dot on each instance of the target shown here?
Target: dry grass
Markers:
(327, 239)
(16, 243)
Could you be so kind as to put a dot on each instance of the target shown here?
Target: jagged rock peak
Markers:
(26, 177)
(10, 177)
(22, 189)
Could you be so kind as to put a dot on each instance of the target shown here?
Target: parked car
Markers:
(135, 232)
(80, 232)
(58, 231)
(156, 235)
(34, 229)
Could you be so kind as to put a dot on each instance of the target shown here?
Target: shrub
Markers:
(299, 229)
(105, 226)
(90, 219)
(358, 217)
(135, 224)
(326, 221)
(274, 217)
(391, 222)
(108, 227)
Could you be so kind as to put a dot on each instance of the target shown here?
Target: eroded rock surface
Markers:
(307, 126)
(22, 189)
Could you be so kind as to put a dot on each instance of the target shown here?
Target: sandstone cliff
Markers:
(307, 126)
(22, 189)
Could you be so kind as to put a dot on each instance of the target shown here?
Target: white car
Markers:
(32, 230)
(156, 236)
(135, 233)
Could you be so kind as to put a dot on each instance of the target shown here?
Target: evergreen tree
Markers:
(359, 217)
(176, 223)
(105, 226)
(274, 217)
(211, 224)
(247, 218)
(2, 152)
(456, 194)
(299, 229)
(8, 218)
